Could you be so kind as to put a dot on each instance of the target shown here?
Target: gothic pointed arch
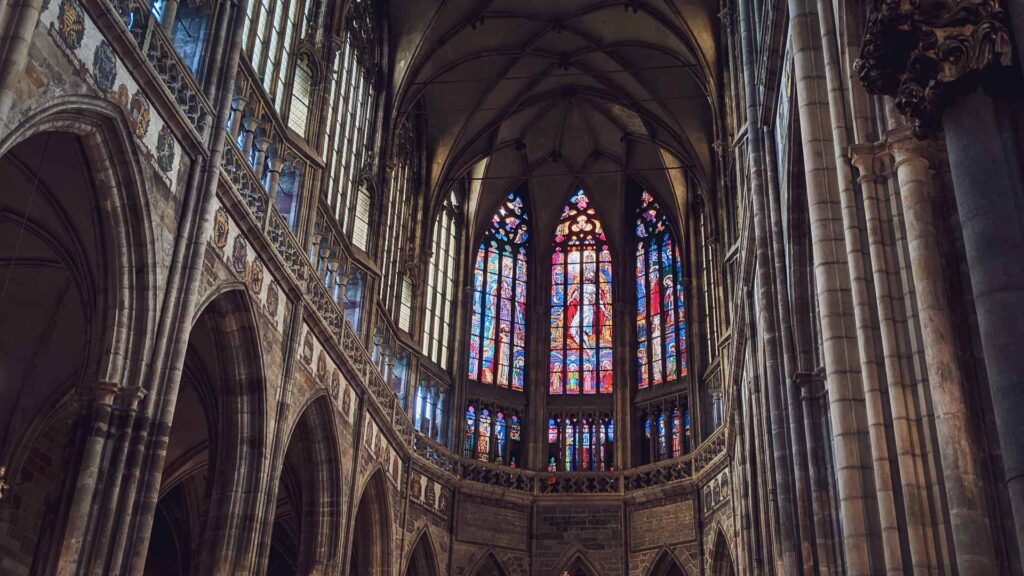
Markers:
(582, 355)
(666, 565)
(578, 565)
(370, 540)
(488, 565)
(721, 556)
(423, 560)
(306, 534)
(497, 334)
(76, 247)
(223, 374)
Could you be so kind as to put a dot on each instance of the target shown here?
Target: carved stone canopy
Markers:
(926, 52)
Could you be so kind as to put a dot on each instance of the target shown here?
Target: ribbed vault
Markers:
(558, 93)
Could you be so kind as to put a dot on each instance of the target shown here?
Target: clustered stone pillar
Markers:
(846, 405)
(915, 53)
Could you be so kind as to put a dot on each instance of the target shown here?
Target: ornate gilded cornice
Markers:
(926, 52)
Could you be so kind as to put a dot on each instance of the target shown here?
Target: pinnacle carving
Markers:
(924, 54)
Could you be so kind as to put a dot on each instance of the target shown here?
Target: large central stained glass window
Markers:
(581, 303)
(497, 341)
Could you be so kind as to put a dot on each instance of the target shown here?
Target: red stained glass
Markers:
(581, 313)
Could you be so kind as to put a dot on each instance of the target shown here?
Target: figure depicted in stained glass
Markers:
(581, 303)
(497, 340)
(660, 309)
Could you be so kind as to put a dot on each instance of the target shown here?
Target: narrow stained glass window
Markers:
(660, 301)
(497, 340)
(581, 303)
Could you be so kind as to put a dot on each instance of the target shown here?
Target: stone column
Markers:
(986, 167)
(72, 551)
(847, 410)
(965, 489)
(169, 14)
(904, 413)
(788, 560)
(988, 184)
(235, 119)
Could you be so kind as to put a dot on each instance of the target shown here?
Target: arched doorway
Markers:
(67, 306)
(214, 447)
(422, 561)
(578, 567)
(306, 536)
(370, 552)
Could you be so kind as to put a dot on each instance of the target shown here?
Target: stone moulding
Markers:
(925, 53)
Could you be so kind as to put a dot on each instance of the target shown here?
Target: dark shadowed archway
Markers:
(422, 561)
(370, 552)
(306, 537)
(205, 520)
(71, 227)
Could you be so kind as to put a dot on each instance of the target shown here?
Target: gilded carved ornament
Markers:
(925, 53)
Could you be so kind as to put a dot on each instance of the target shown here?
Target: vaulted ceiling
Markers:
(559, 92)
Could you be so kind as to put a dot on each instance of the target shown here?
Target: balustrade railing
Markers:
(158, 49)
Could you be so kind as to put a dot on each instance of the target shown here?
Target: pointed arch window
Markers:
(441, 283)
(581, 303)
(581, 443)
(497, 339)
(349, 142)
(398, 219)
(660, 302)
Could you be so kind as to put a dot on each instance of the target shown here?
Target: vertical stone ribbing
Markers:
(789, 558)
(972, 535)
(847, 411)
(917, 512)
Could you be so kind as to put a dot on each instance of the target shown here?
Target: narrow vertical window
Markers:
(441, 283)
(405, 308)
(298, 112)
(660, 301)
(483, 441)
(469, 444)
(497, 335)
(581, 303)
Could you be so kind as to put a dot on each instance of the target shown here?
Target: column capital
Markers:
(904, 144)
(924, 54)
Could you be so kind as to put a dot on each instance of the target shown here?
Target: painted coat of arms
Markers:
(220, 228)
(71, 24)
(165, 150)
(239, 254)
(138, 111)
(104, 66)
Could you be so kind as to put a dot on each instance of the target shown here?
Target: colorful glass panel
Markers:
(483, 440)
(581, 303)
(497, 340)
(660, 308)
(469, 444)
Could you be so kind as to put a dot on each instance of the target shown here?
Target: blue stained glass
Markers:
(497, 329)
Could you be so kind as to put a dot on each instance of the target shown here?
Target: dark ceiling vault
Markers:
(556, 93)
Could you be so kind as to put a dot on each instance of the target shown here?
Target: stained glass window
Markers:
(497, 340)
(469, 444)
(660, 302)
(666, 431)
(483, 442)
(492, 435)
(581, 303)
(580, 444)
